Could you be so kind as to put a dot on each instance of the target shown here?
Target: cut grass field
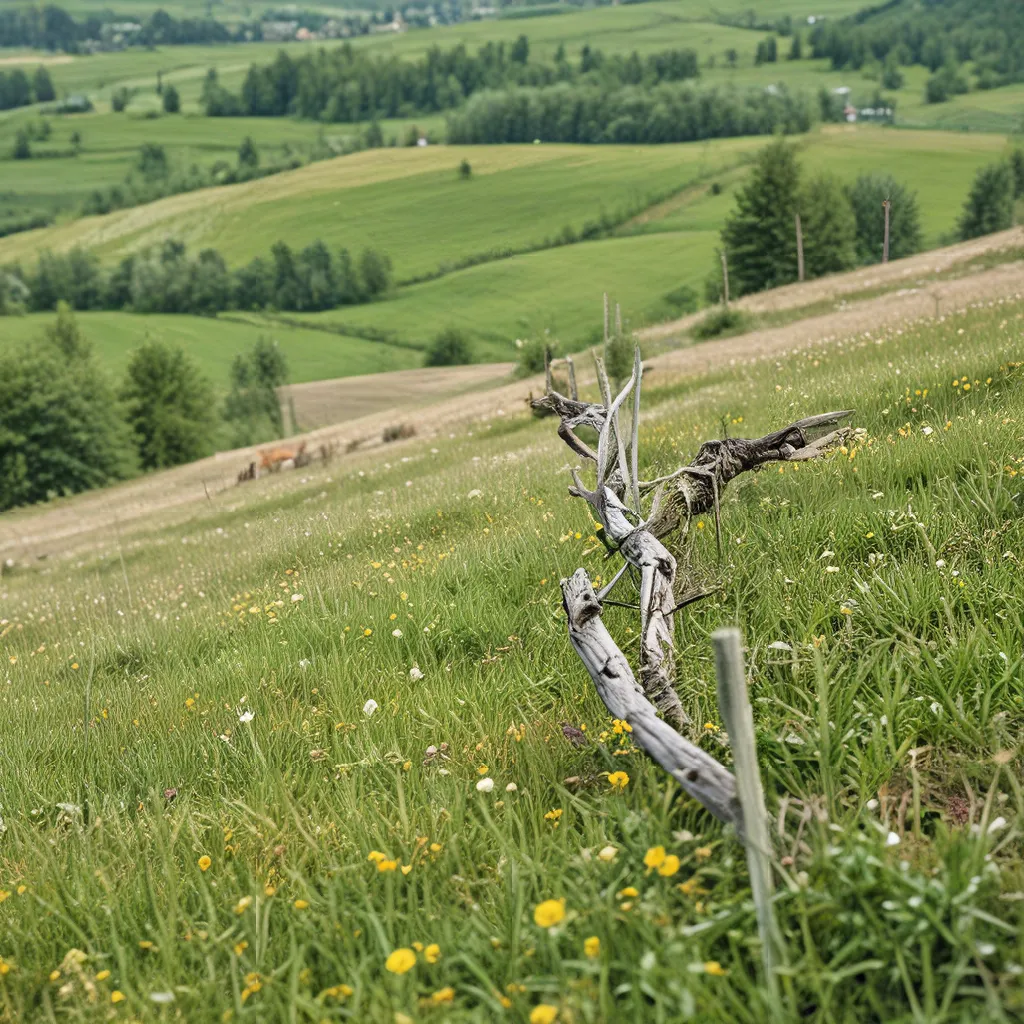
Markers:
(196, 801)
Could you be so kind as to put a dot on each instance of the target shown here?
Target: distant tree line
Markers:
(843, 226)
(94, 431)
(350, 84)
(941, 36)
(18, 90)
(591, 113)
(52, 28)
(166, 279)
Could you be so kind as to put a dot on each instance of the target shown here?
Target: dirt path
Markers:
(906, 272)
(88, 520)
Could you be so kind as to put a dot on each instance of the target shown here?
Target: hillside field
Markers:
(412, 204)
(204, 818)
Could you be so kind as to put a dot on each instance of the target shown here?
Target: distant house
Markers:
(397, 24)
(850, 113)
(279, 31)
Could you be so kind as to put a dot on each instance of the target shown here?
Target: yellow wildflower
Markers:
(400, 961)
(618, 780)
(300, 904)
(204, 863)
(376, 856)
(628, 891)
(669, 866)
(543, 1014)
(243, 904)
(654, 857)
(432, 953)
(549, 913)
(117, 996)
(592, 947)
(715, 968)
(443, 995)
(387, 865)
(103, 975)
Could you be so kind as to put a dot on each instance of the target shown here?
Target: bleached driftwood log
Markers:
(688, 491)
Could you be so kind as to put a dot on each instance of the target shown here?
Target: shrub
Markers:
(532, 353)
(172, 100)
(169, 406)
(828, 226)
(465, 170)
(252, 407)
(683, 299)
(724, 320)
(60, 427)
(22, 146)
(989, 205)
(119, 99)
(866, 196)
(451, 347)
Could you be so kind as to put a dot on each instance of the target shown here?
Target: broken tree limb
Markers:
(696, 771)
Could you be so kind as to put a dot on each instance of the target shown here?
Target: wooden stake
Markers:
(887, 206)
(725, 278)
(799, 250)
(734, 705)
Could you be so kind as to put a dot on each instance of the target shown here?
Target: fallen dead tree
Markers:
(618, 503)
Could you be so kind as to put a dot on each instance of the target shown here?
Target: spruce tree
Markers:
(759, 236)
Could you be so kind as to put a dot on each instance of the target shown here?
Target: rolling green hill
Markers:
(411, 203)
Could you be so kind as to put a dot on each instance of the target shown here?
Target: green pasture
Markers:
(939, 166)
(204, 820)
(411, 203)
(213, 343)
(559, 291)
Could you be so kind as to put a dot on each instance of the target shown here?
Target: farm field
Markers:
(411, 204)
(212, 343)
(200, 805)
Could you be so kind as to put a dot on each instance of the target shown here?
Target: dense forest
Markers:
(167, 279)
(938, 34)
(347, 84)
(591, 113)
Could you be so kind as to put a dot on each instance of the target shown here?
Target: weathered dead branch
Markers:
(688, 491)
(696, 771)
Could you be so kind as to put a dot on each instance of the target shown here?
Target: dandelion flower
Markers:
(654, 857)
(549, 913)
(715, 968)
(400, 961)
(300, 904)
(543, 1013)
(592, 947)
(432, 953)
(669, 866)
(117, 996)
(629, 891)
(443, 995)
(485, 785)
(204, 863)
(618, 780)
(387, 865)
(103, 975)
(376, 856)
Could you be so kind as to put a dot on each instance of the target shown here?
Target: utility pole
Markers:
(799, 250)
(887, 206)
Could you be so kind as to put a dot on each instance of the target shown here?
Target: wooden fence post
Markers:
(725, 278)
(887, 206)
(734, 705)
(799, 250)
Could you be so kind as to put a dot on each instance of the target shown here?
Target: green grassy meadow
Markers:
(212, 343)
(412, 204)
(203, 821)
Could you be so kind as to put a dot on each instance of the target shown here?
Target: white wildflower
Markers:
(485, 785)
(415, 673)
(297, 597)
(246, 716)
(511, 787)
(892, 839)
(369, 707)
(397, 634)
(608, 854)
